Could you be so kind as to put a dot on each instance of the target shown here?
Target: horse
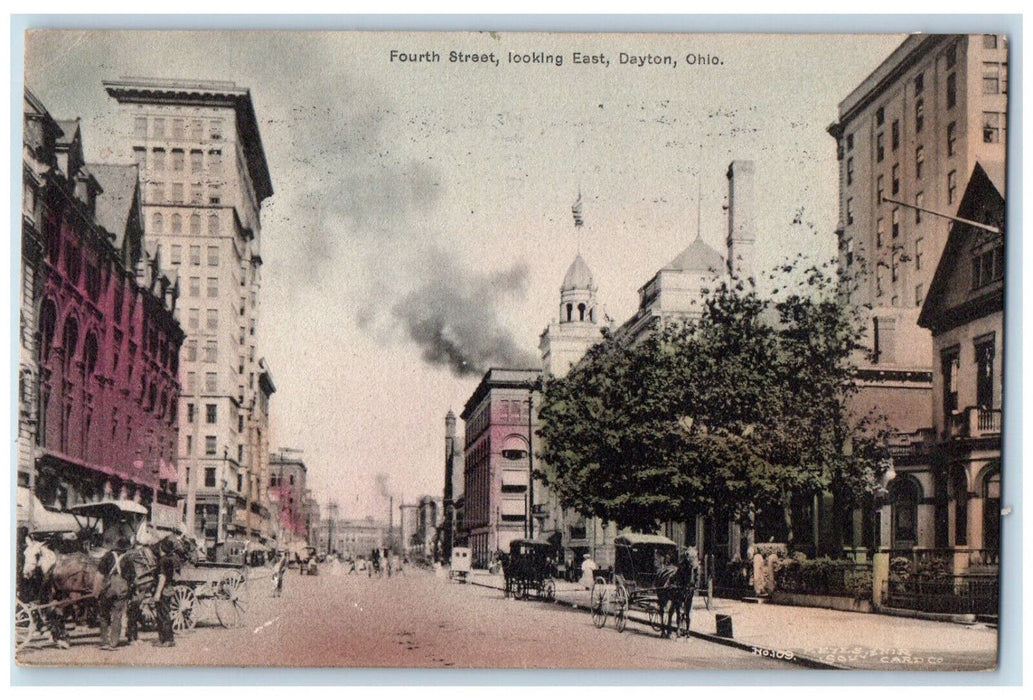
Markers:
(676, 585)
(59, 579)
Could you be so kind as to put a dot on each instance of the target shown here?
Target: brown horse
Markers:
(676, 585)
(60, 580)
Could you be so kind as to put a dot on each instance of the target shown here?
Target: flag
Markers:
(576, 210)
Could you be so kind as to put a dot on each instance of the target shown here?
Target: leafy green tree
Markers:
(738, 410)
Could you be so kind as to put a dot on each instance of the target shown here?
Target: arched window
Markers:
(903, 498)
(992, 510)
(177, 223)
(89, 355)
(157, 222)
(581, 311)
(47, 327)
(195, 224)
(70, 341)
(213, 224)
(570, 312)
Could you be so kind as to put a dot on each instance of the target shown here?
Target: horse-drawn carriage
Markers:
(650, 575)
(61, 579)
(530, 569)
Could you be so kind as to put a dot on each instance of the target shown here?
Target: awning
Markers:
(43, 520)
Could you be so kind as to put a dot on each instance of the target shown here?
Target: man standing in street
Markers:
(119, 576)
(279, 571)
(163, 592)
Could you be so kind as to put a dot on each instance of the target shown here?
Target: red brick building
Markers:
(107, 343)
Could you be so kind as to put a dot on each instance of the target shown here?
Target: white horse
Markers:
(59, 578)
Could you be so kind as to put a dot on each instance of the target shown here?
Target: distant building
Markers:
(100, 344)
(288, 492)
(497, 457)
(428, 516)
(198, 147)
(358, 538)
(452, 504)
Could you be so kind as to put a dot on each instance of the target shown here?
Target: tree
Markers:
(736, 411)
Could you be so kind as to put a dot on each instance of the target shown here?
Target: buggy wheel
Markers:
(25, 627)
(656, 617)
(183, 609)
(231, 600)
(600, 601)
(549, 590)
(620, 607)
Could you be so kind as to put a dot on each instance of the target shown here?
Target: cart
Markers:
(635, 582)
(530, 570)
(460, 567)
(208, 591)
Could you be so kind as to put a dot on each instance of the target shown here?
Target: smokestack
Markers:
(741, 219)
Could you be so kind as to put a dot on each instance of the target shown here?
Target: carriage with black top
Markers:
(649, 575)
(530, 570)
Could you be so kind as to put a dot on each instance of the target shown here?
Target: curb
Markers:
(804, 661)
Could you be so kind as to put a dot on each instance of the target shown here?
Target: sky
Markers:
(421, 222)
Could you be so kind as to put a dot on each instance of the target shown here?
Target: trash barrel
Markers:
(724, 626)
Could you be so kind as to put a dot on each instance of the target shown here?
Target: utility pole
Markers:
(968, 222)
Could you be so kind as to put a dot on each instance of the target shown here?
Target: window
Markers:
(918, 212)
(177, 254)
(878, 280)
(196, 161)
(213, 256)
(952, 55)
(158, 159)
(140, 127)
(985, 373)
(952, 186)
(918, 253)
(177, 159)
(210, 413)
(193, 316)
(919, 83)
(879, 190)
(209, 472)
(196, 130)
(213, 287)
(849, 213)
(991, 78)
(214, 193)
(896, 221)
(212, 320)
(140, 157)
(849, 142)
(918, 295)
(195, 286)
(177, 129)
(195, 224)
(177, 193)
(177, 220)
(987, 267)
(211, 351)
(215, 130)
(880, 116)
(849, 171)
(849, 248)
(952, 90)
(157, 192)
(991, 127)
(895, 181)
(880, 146)
(904, 513)
(190, 444)
(211, 382)
(949, 371)
(191, 350)
(197, 197)
(191, 382)
(215, 161)
(213, 224)
(880, 231)
(989, 41)
(191, 412)
(919, 162)
(195, 255)
(952, 138)
(919, 115)
(895, 134)
(885, 340)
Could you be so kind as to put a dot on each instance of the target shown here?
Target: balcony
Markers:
(975, 422)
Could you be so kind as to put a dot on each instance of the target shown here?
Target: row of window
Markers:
(176, 160)
(950, 362)
(177, 128)
(176, 193)
(176, 221)
(176, 255)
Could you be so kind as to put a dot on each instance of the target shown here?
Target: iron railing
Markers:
(977, 595)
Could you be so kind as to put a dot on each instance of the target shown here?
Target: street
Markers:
(413, 620)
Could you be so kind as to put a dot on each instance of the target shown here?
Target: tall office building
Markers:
(199, 151)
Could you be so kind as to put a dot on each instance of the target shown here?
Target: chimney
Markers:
(741, 219)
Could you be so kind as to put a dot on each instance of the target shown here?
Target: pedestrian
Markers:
(588, 567)
(119, 576)
(167, 564)
(279, 572)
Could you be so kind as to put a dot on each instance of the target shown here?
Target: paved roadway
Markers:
(414, 620)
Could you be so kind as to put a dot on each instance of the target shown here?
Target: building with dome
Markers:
(564, 342)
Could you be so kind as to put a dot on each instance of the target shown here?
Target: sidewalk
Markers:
(820, 638)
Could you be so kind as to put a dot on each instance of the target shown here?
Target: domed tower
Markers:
(577, 295)
(565, 341)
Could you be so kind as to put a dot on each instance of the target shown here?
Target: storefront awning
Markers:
(33, 514)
